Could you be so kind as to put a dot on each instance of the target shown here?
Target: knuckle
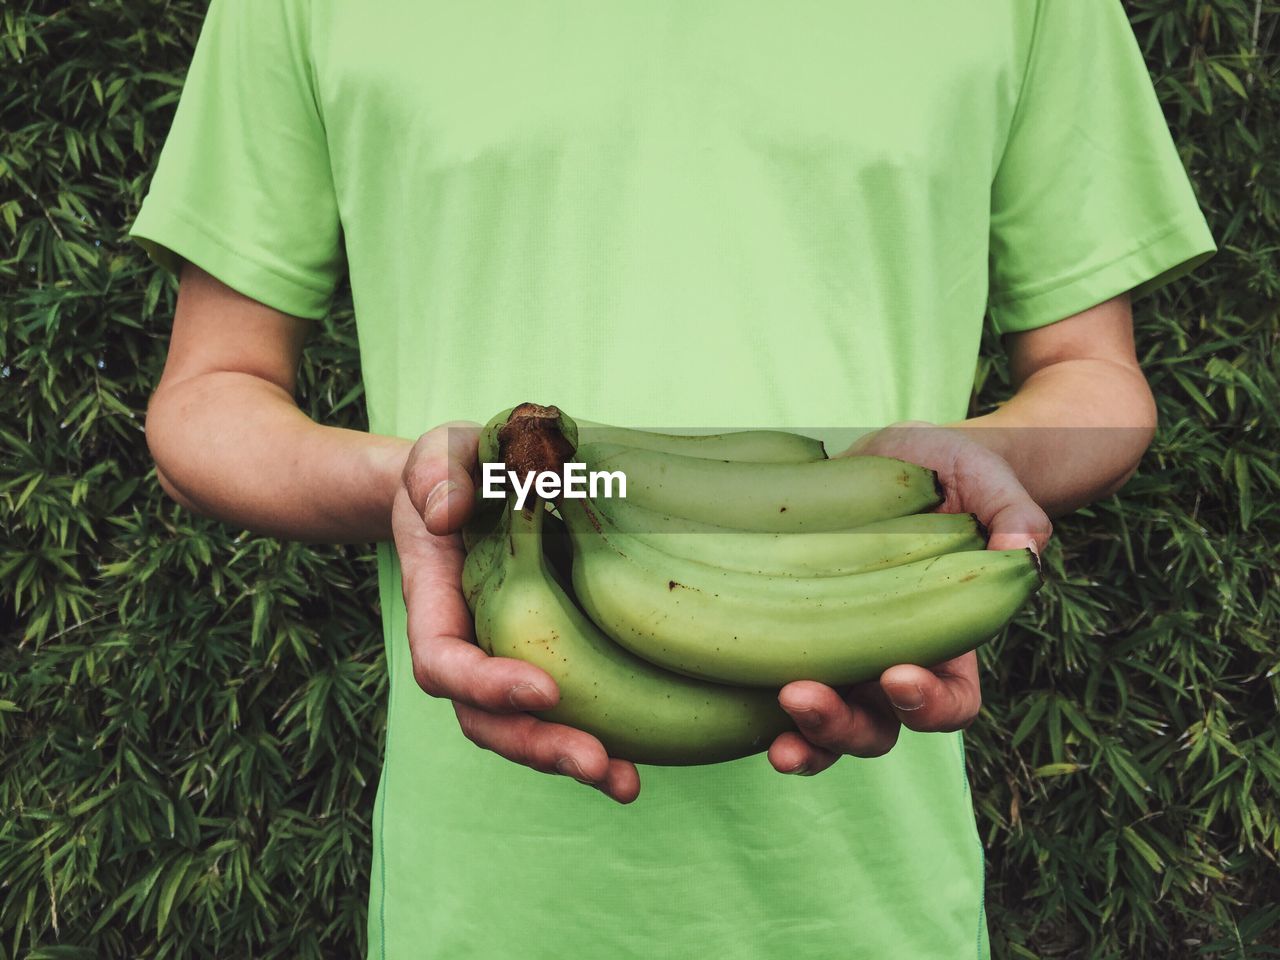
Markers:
(425, 677)
(419, 479)
(531, 750)
(431, 670)
(438, 671)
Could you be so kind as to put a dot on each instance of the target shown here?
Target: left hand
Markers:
(865, 720)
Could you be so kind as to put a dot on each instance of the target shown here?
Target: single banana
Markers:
(481, 537)
(825, 553)
(743, 446)
(483, 555)
(484, 537)
(749, 629)
(769, 497)
(638, 711)
(748, 446)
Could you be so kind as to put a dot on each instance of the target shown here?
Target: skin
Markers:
(230, 443)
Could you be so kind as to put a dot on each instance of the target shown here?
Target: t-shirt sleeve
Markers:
(1090, 198)
(243, 187)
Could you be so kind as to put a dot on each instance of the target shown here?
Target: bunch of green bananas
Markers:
(737, 563)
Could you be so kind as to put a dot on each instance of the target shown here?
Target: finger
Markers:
(454, 669)
(439, 476)
(861, 726)
(987, 486)
(622, 782)
(940, 699)
(1020, 524)
(544, 746)
(446, 663)
(976, 480)
(791, 753)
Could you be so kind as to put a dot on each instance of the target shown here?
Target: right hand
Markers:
(490, 694)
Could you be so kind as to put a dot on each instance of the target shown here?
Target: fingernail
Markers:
(569, 767)
(525, 696)
(905, 696)
(800, 769)
(438, 496)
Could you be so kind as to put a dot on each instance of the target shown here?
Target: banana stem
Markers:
(536, 439)
(525, 536)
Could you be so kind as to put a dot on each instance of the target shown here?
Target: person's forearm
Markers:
(236, 448)
(1073, 432)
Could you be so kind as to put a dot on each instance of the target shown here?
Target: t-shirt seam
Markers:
(982, 852)
(1042, 288)
(389, 623)
(310, 284)
(382, 845)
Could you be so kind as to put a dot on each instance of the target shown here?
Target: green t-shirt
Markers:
(677, 214)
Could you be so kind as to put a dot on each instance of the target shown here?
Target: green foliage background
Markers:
(190, 716)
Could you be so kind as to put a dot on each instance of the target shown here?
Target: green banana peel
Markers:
(638, 711)
(769, 497)
(824, 553)
(749, 629)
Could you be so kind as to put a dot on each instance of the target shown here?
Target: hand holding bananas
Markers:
(735, 566)
(490, 695)
(865, 719)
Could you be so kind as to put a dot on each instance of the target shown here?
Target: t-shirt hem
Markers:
(170, 237)
(1173, 251)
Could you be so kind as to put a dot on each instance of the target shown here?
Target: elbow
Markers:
(153, 427)
(1111, 489)
(1136, 439)
(170, 490)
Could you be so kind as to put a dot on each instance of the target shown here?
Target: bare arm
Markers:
(1082, 415)
(230, 442)
(1074, 431)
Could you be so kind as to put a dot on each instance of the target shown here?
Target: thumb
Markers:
(438, 476)
(1019, 525)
